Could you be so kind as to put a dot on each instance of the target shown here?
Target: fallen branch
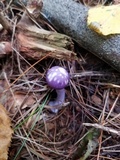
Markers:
(35, 42)
(71, 18)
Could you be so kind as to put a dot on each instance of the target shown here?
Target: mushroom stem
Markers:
(59, 100)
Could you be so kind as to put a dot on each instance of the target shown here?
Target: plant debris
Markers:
(88, 123)
(5, 133)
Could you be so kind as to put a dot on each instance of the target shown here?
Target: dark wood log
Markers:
(71, 18)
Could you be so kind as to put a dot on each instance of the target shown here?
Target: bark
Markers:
(70, 18)
(36, 43)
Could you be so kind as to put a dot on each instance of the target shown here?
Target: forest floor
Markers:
(88, 124)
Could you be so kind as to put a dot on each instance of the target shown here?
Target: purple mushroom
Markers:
(57, 78)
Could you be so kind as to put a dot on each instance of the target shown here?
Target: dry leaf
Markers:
(5, 133)
(50, 126)
(96, 100)
(20, 99)
(104, 20)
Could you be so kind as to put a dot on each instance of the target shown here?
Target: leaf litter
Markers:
(92, 98)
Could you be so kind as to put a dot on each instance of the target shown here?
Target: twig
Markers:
(87, 73)
(113, 106)
(6, 25)
(95, 125)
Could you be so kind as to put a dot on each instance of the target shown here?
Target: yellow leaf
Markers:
(104, 20)
(5, 133)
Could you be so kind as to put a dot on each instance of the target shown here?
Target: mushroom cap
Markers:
(57, 77)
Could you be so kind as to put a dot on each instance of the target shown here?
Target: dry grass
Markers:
(92, 96)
